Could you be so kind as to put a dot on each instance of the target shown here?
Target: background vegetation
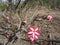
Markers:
(47, 3)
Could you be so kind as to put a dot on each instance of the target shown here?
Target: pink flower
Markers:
(49, 17)
(25, 21)
(7, 17)
(8, 36)
(33, 33)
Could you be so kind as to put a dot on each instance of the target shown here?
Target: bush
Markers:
(2, 6)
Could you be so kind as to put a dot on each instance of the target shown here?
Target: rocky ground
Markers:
(53, 28)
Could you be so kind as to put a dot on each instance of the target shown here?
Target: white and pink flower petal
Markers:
(30, 32)
(32, 39)
(36, 29)
(37, 33)
(36, 37)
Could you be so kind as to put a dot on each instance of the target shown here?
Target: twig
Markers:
(30, 20)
